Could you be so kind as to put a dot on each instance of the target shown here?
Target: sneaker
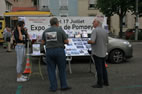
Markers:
(25, 77)
(21, 79)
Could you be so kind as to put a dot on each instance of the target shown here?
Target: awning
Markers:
(28, 13)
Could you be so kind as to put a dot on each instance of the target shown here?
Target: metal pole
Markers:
(136, 24)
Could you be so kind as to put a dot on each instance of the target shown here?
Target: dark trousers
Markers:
(56, 56)
(102, 77)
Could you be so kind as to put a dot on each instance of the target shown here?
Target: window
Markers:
(92, 15)
(36, 2)
(63, 15)
(63, 2)
(92, 4)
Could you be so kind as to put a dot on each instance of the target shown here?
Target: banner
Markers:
(71, 25)
(77, 28)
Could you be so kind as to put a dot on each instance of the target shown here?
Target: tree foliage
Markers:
(119, 7)
(111, 7)
(139, 7)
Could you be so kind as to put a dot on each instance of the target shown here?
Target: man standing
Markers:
(55, 38)
(8, 36)
(4, 36)
(99, 41)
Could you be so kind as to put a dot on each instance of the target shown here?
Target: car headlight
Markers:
(127, 43)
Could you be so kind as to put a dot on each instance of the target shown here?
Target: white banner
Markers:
(36, 25)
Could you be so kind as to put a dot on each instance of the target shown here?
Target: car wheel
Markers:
(116, 56)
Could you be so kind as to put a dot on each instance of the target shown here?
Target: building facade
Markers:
(69, 8)
(63, 7)
(87, 8)
(5, 6)
(22, 3)
(59, 7)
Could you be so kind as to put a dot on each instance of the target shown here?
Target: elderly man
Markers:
(99, 41)
(55, 38)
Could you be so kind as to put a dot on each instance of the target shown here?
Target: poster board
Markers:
(77, 47)
(71, 25)
(77, 29)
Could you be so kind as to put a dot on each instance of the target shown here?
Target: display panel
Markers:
(77, 47)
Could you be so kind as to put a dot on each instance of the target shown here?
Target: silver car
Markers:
(119, 50)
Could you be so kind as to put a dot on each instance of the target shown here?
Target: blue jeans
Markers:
(56, 56)
(20, 52)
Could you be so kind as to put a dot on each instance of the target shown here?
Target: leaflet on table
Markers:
(36, 49)
(77, 47)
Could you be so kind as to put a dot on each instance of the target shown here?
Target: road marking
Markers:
(125, 87)
(18, 89)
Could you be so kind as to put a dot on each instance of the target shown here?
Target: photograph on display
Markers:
(36, 49)
(78, 36)
(84, 52)
(75, 53)
(77, 47)
(70, 47)
(70, 34)
(85, 39)
(76, 39)
(85, 43)
(88, 46)
(80, 47)
(78, 43)
(81, 52)
(84, 34)
(51, 36)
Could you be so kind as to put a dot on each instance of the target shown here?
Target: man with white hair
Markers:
(99, 41)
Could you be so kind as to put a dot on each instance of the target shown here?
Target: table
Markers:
(69, 59)
(39, 66)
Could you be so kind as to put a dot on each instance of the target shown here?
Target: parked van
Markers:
(2, 26)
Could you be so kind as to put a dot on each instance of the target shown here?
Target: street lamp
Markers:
(136, 24)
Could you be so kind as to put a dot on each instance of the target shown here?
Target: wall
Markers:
(2, 7)
(22, 3)
(83, 9)
(72, 7)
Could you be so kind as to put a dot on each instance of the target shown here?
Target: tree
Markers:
(119, 7)
(139, 7)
